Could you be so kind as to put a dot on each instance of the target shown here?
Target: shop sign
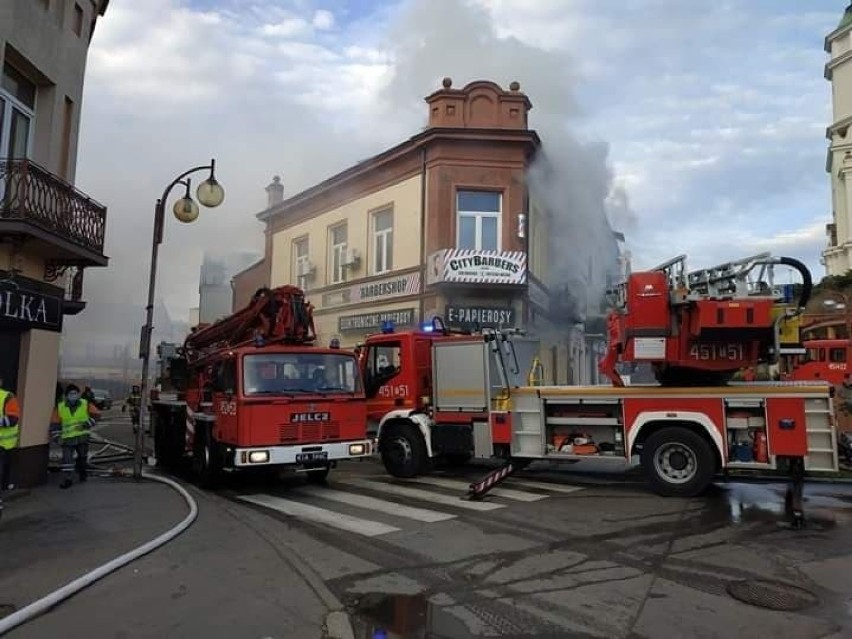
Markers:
(374, 291)
(24, 303)
(470, 317)
(366, 321)
(477, 267)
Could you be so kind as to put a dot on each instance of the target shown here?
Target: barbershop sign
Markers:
(374, 290)
(27, 304)
(366, 321)
(472, 317)
(477, 267)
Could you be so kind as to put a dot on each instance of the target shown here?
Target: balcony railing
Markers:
(32, 194)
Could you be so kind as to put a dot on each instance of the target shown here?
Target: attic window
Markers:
(451, 109)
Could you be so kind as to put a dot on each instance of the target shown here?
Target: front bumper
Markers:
(290, 455)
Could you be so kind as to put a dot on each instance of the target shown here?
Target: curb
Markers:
(337, 623)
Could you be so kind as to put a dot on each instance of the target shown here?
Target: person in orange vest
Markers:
(72, 418)
(10, 416)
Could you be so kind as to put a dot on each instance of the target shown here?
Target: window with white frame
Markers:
(17, 109)
(337, 253)
(301, 263)
(479, 217)
(383, 241)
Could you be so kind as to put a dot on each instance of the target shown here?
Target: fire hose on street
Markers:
(56, 597)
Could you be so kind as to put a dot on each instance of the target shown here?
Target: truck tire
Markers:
(207, 460)
(403, 450)
(678, 462)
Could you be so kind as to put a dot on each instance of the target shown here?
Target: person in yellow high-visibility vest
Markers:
(72, 418)
(10, 415)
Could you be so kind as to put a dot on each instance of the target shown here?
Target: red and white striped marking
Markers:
(190, 427)
(498, 475)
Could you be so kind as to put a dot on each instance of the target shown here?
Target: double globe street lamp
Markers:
(210, 194)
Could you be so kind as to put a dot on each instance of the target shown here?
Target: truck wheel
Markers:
(678, 462)
(318, 476)
(207, 462)
(403, 451)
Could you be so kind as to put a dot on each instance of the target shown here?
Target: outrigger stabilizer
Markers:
(479, 489)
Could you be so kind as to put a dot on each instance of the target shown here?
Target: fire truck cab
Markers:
(255, 392)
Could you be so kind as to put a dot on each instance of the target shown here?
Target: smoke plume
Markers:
(572, 177)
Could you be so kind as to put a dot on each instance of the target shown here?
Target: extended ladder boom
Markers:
(274, 315)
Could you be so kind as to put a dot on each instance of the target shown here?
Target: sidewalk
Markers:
(226, 576)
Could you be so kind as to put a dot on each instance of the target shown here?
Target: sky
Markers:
(708, 118)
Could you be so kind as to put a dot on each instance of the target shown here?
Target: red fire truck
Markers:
(438, 394)
(254, 391)
(823, 359)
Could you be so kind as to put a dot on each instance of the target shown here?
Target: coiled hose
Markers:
(47, 602)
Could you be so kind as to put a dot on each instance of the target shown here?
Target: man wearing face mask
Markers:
(72, 418)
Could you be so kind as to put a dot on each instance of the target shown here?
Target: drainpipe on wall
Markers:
(422, 233)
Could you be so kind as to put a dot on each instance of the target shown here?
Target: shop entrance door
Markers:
(10, 355)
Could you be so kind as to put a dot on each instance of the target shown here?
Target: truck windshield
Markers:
(287, 373)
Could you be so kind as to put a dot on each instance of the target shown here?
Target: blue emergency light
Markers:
(427, 327)
(387, 326)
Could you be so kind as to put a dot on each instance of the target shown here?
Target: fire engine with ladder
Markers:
(437, 394)
(254, 391)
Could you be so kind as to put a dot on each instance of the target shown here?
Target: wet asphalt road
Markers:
(556, 555)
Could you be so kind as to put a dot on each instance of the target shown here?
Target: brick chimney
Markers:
(274, 192)
(479, 105)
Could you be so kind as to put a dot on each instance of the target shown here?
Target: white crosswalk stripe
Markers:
(325, 501)
(455, 484)
(356, 525)
(541, 485)
(424, 495)
(379, 505)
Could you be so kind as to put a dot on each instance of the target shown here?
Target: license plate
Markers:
(302, 458)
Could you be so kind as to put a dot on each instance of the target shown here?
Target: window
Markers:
(837, 355)
(17, 105)
(382, 242)
(67, 122)
(301, 264)
(78, 19)
(298, 373)
(478, 220)
(337, 239)
(383, 364)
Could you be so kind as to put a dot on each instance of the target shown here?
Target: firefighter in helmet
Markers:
(134, 403)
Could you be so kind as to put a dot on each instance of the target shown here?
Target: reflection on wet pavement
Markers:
(739, 503)
(383, 616)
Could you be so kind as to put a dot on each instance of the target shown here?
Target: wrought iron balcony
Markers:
(36, 203)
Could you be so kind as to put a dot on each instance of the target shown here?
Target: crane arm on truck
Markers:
(279, 315)
(700, 327)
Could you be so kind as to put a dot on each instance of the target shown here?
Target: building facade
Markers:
(49, 231)
(837, 257)
(445, 224)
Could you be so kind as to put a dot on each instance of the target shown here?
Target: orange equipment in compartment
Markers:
(761, 448)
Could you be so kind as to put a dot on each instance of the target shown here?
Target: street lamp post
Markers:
(211, 194)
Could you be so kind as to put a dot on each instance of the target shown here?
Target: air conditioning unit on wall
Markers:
(351, 257)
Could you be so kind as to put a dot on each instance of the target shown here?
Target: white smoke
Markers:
(573, 178)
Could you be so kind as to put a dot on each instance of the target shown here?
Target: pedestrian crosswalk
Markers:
(377, 506)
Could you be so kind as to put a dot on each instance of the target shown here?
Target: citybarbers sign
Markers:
(471, 317)
(477, 267)
(28, 304)
(367, 321)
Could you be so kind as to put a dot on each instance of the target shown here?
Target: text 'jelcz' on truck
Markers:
(254, 391)
(441, 394)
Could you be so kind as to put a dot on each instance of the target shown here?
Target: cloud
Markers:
(712, 119)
